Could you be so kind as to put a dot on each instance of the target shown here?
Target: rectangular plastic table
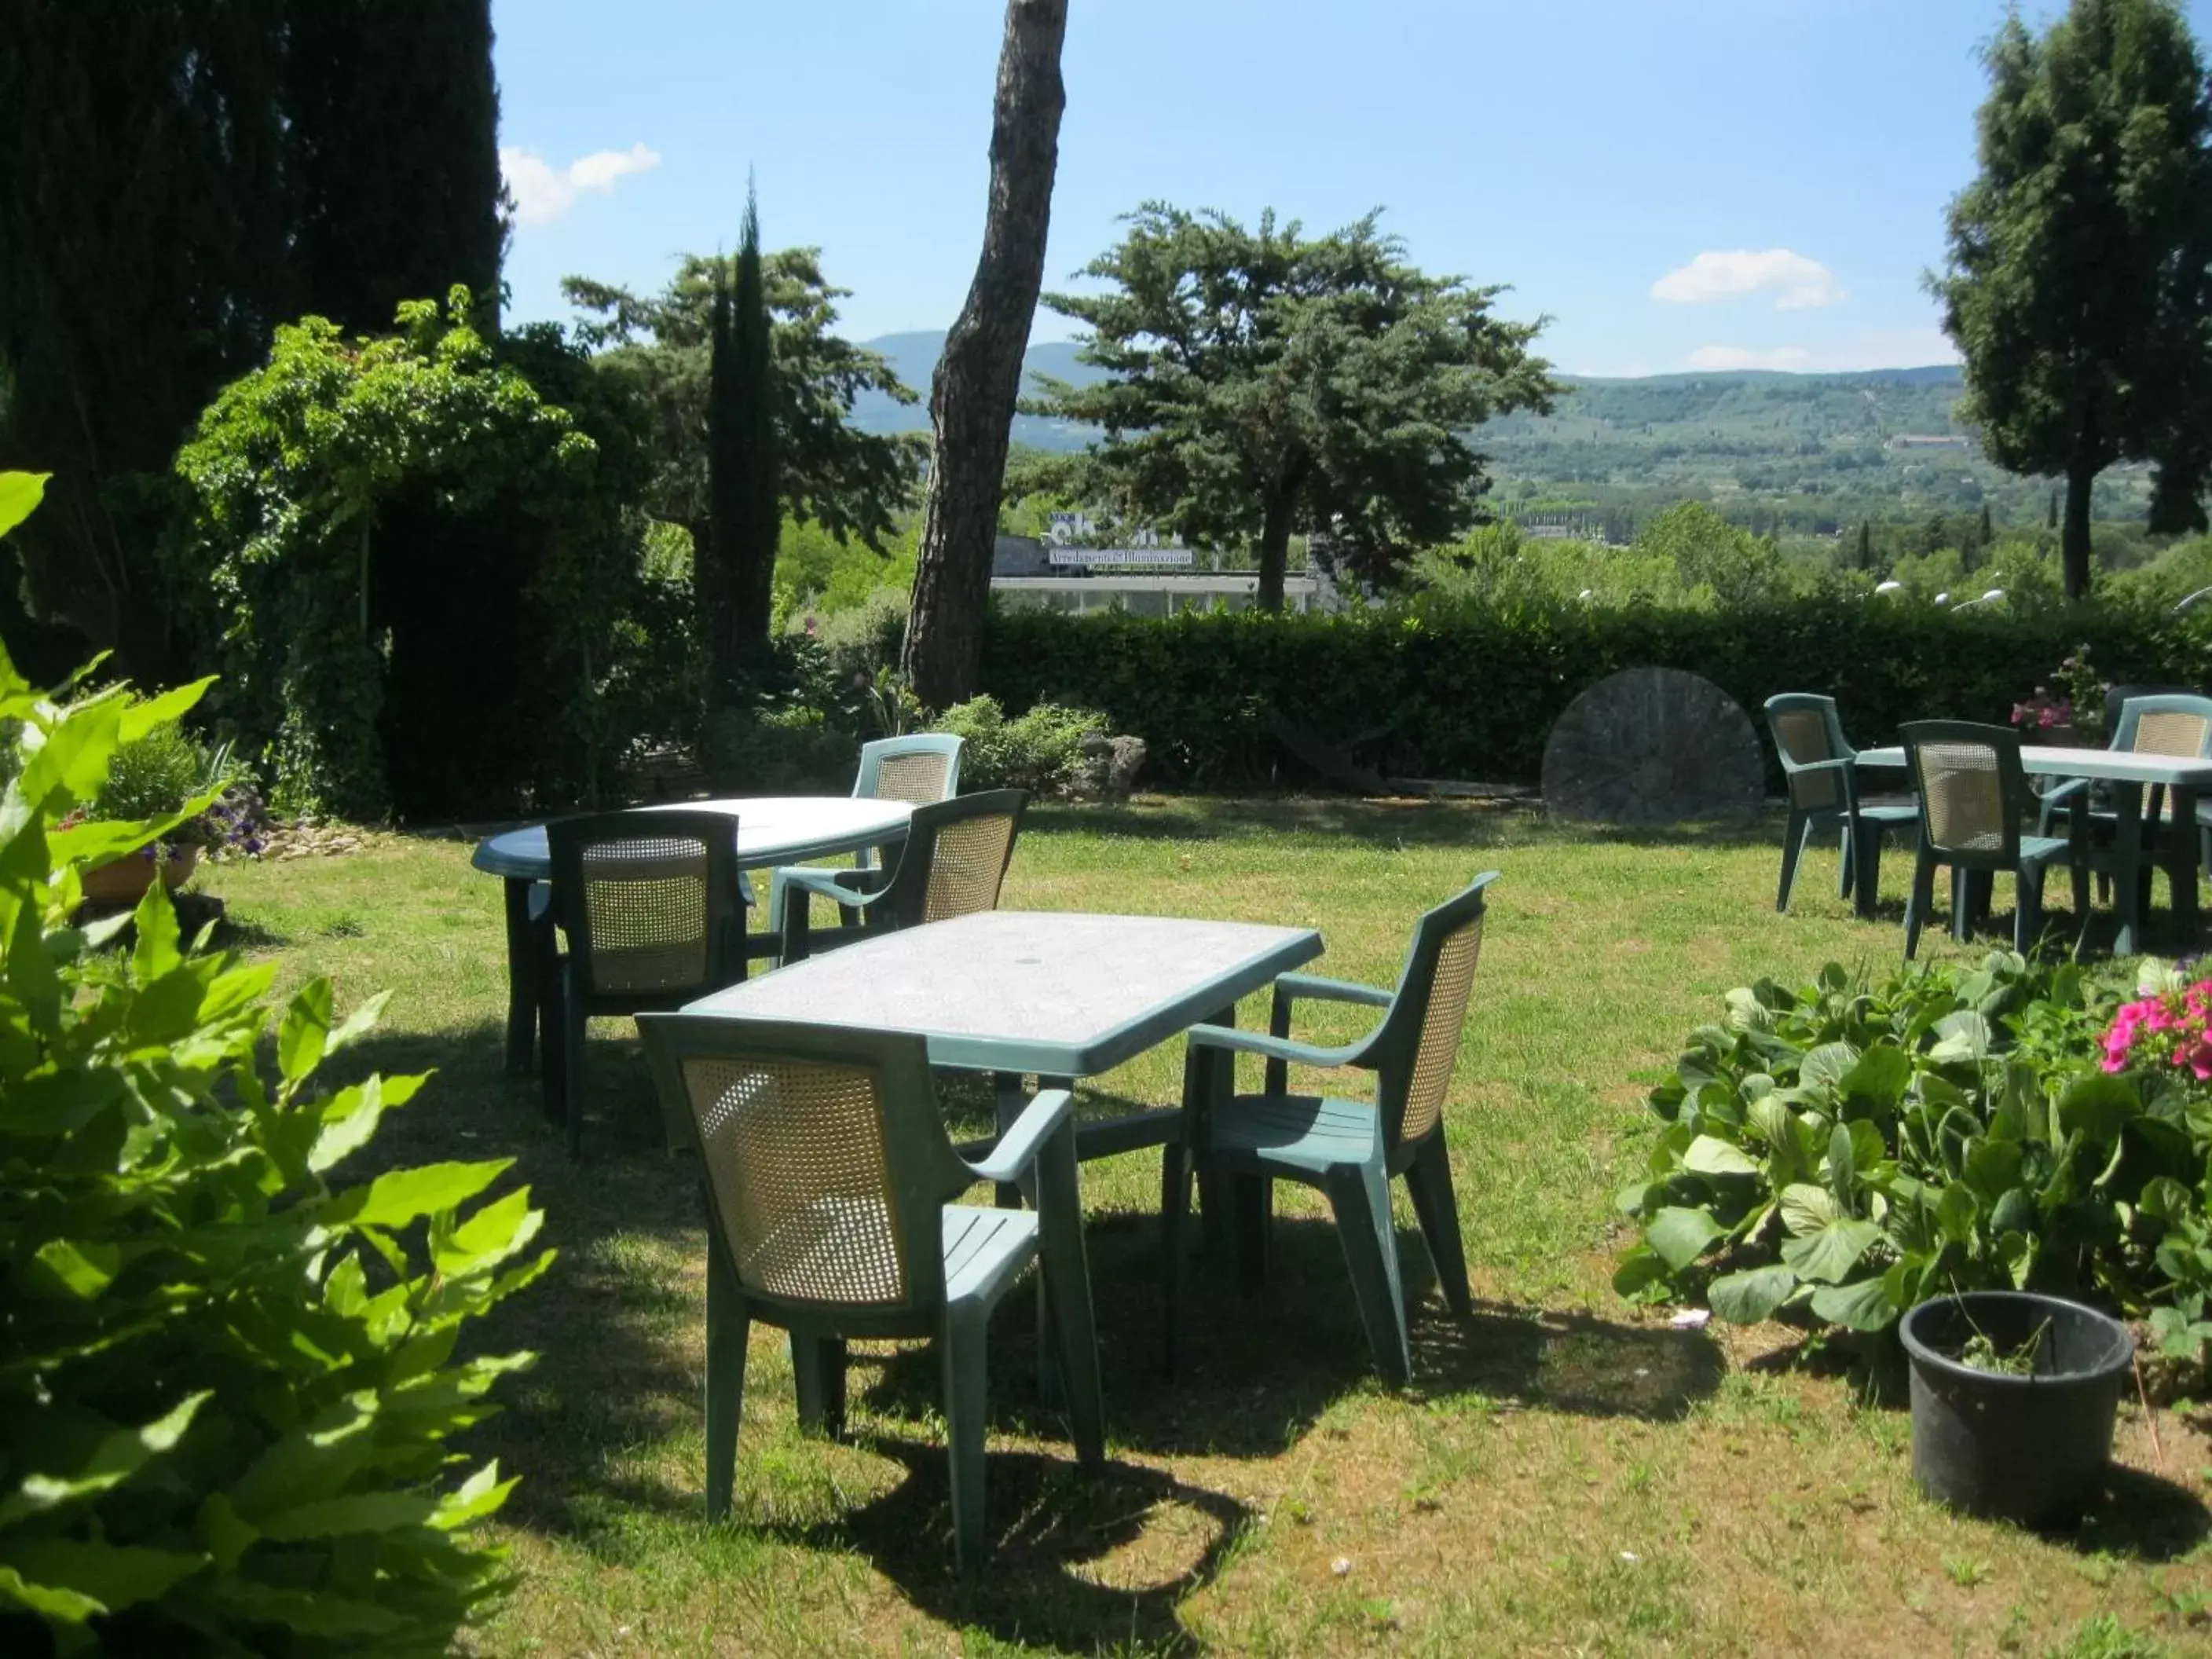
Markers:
(772, 830)
(1059, 994)
(2183, 778)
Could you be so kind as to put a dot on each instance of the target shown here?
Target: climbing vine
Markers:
(290, 473)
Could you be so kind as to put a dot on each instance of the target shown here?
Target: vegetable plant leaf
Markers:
(1863, 1306)
(1709, 1155)
(1745, 1298)
(1830, 1255)
(1682, 1235)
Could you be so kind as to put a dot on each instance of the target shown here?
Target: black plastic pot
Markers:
(2026, 1448)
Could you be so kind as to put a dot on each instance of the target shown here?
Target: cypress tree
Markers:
(736, 579)
(1866, 545)
(2051, 522)
(394, 156)
(141, 257)
(1986, 532)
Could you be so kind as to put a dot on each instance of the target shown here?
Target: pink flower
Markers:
(2049, 717)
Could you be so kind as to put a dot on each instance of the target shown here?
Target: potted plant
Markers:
(2013, 1399)
(2073, 715)
(157, 776)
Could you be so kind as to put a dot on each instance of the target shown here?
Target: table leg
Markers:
(522, 976)
(1051, 1390)
(1208, 1074)
(2127, 871)
(2182, 864)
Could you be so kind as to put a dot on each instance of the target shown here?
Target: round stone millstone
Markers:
(1651, 746)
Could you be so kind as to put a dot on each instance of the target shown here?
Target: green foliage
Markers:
(1040, 749)
(1735, 566)
(289, 473)
(853, 482)
(160, 774)
(1851, 1149)
(1262, 384)
(229, 1377)
(733, 569)
(2078, 286)
(1472, 690)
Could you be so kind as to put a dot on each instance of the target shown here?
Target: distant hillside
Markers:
(1799, 451)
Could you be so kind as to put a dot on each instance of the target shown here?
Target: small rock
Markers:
(1341, 1565)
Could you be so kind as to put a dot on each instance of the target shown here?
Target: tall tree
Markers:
(854, 483)
(978, 379)
(1985, 532)
(1260, 384)
(735, 571)
(394, 126)
(2078, 287)
(1866, 545)
(142, 247)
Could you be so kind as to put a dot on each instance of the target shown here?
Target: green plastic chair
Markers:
(651, 906)
(920, 768)
(1350, 1149)
(1820, 768)
(952, 863)
(830, 1182)
(2161, 723)
(1974, 795)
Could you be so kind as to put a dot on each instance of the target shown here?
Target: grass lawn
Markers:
(1569, 1475)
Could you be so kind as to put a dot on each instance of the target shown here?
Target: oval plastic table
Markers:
(772, 830)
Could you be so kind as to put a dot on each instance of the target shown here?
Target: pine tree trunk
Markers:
(1275, 550)
(2074, 539)
(978, 379)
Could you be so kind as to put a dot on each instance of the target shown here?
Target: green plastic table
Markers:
(772, 830)
(1059, 994)
(2183, 779)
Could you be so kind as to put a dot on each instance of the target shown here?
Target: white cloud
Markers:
(1797, 282)
(1731, 357)
(543, 192)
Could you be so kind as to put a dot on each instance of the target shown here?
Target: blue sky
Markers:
(1676, 184)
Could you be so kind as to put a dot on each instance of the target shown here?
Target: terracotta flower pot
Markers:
(125, 880)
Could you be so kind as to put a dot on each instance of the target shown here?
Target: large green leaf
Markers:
(1963, 1036)
(1879, 1079)
(115, 1457)
(1745, 1298)
(1806, 1208)
(395, 1200)
(1863, 1306)
(305, 1029)
(374, 1511)
(2098, 1106)
(1709, 1155)
(1682, 1235)
(115, 1575)
(1827, 1066)
(73, 1269)
(19, 494)
(1830, 1255)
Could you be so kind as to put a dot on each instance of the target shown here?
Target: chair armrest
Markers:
(1274, 1047)
(840, 887)
(1025, 1137)
(1313, 988)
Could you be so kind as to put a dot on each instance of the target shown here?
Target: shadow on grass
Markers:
(2139, 1517)
(1260, 1369)
(1049, 1582)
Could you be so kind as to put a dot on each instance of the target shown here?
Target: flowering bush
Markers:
(2169, 1029)
(2079, 703)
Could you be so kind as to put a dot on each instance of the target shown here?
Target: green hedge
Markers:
(1472, 692)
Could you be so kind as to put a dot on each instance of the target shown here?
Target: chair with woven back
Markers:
(920, 768)
(1973, 796)
(1350, 1149)
(952, 863)
(2177, 723)
(830, 1185)
(1821, 769)
(652, 908)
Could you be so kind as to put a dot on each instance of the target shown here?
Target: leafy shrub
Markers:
(1040, 750)
(228, 1380)
(1472, 690)
(1853, 1149)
